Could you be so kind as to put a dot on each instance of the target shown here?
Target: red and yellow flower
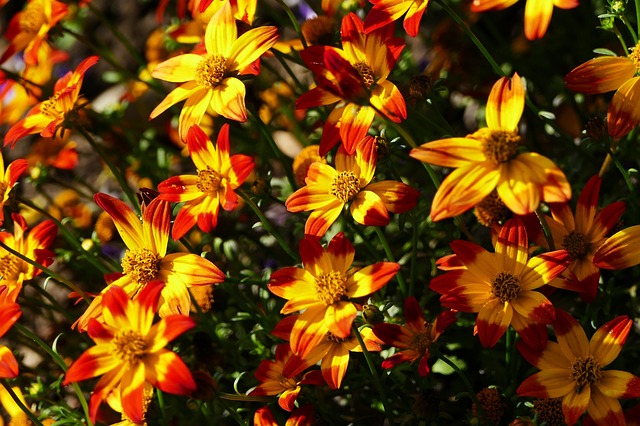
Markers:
(415, 338)
(9, 177)
(501, 286)
(203, 194)
(329, 190)
(9, 314)
(489, 159)
(620, 250)
(608, 73)
(387, 11)
(354, 78)
(210, 80)
(573, 369)
(146, 259)
(324, 288)
(303, 416)
(130, 352)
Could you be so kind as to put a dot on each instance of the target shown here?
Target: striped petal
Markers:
(624, 110)
(619, 384)
(125, 220)
(156, 222)
(387, 99)
(341, 252)
(221, 32)
(478, 261)
(542, 269)
(451, 152)
(518, 187)
(295, 285)
(166, 371)
(320, 220)
(339, 318)
(587, 207)
(604, 410)
(251, 45)
(384, 12)
(367, 208)
(334, 365)
(512, 247)
(94, 362)
(309, 329)
(370, 279)
(534, 306)
(550, 383)
(551, 357)
(574, 404)
(600, 75)
(606, 343)
(167, 329)
(228, 99)
(492, 322)
(506, 102)
(178, 69)
(398, 197)
(537, 15)
(178, 94)
(354, 125)
(132, 392)
(571, 337)
(620, 250)
(193, 110)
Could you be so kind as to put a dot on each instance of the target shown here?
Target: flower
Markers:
(488, 159)
(9, 314)
(355, 77)
(537, 13)
(209, 80)
(607, 73)
(218, 175)
(146, 259)
(303, 160)
(387, 11)
(415, 338)
(329, 189)
(46, 117)
(573, 369)
(130, 352)
(501, 286)
(324, 288)
(302, 416)
(10, 176)
(17, 416)
(620, 250)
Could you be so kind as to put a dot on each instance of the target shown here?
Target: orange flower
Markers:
(28, 29)
(415, 338)
(501, 286)
(355, 77)
(15, 99)
(387, 11)
(537, 13)
(130, 352)
(607, 73)
(323, 288)
(9, 177)
(218, 175)
(9, 314)
(572, 369)
(489, 159)
(329, 189)
(146, 259)
(210, 80)
(48, 116)
(303, 416)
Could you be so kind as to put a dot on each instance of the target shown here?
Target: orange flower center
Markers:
(634, 55)
(9, 267)
(500, 146)
(50, 107)
(421, 341)
(576, 244)
(345, 186)
(330, 287)
(505, 287)
(366, 74)
(32, 18)
(288, 382)
(140, 265)
(129, 346)
(211, 70)
(208, 180)
(585, 372)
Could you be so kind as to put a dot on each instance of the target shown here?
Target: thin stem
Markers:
(625, 49)
(467, 384)
(232, 412)
(19, 403)
(282, 58)
(414, 253)
(629, 28)
(389, 253)
(545, 228)
(608, 159)
(294, 22)
(637, 4)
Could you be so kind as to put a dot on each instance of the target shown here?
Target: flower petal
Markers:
(600, 75)
(492, 322)
(506, 102)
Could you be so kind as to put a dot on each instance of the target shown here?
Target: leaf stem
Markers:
(19, 403)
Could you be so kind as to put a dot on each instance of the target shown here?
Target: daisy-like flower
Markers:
(329, 189)
(203, 194)
(573, 369)
(620, 250)
(354, 78)
(130, 352)
(387, 11)
(537, 13)
(323, 288)
(608, 73)
(146, 259)
(210, 80)
(9, 314)
(303, 416)
(415, 338)
(489, 159)
(581, 235)
(9, 177)
(501, 286)
(15, 271)
(48, 116)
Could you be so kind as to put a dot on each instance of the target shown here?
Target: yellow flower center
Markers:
(366, 74)
(345, 186)
(211, 71)
(9, 267)
(585, 372)
(421, 342)
(208, 180)
(500, 146)
(141, 265)
(330, 287)
(576, 245)
(634, 55)
(505, 287)
(32, 18)
(129, 346)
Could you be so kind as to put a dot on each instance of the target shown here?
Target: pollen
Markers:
(576, 245)
(499, 146)
(32, 18)
(50, 107)
(330, 287)
(505, 287)
(9, 267)
(129, 346)
(208, 180)
(366, 74)
(585, 372)
(211, 71)
(421, 341)
(345, 186)
(549, 411)
(288, 382)
(634, 55)
(141, 265)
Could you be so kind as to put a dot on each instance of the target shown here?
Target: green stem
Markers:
(545, 228)
(629, 28)
(467, 384)
(160, 398)
(294, 22)
(19, 403)
(389, 253)
(232, 412)
(637, 4)
(621, 40)
(282, 58)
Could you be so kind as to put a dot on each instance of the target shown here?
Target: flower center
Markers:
(50, 108)
(505, 287)
(129, 346)
(500, 146)
(421, 341)
(634, 55)
(330, 287)
(32, 18)
(549, 410)
(366, 74)
(585, 372)
(491, 210)
(211, 70)
(9, 267)
(208, 180)
(141, 265)
(345, 186)
(288, 382)
(576, 244)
